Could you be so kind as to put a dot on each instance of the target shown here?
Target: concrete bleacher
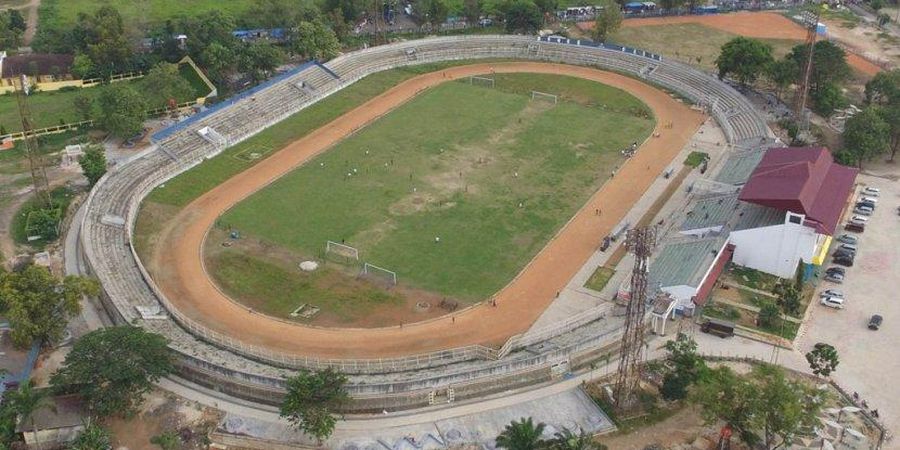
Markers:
(128, 288)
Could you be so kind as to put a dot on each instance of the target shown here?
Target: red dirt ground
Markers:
(180, 273)
(764, 25)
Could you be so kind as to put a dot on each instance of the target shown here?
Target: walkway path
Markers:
(181, 275)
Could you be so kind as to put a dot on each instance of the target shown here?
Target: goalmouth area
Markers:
(446, 197)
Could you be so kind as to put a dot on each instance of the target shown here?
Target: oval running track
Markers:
(178, 268)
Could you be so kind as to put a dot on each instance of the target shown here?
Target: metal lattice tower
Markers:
(35, 162)
(811, 22)
(640, 242)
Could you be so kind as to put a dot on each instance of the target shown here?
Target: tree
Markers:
(93, 164)
(102, 38)
(431, 12)
(670, 4)
(93, 437)
(521, 435)
(312, 400)
(828, 99)
(112, 368)
(472, 11)
(789, 299)
(829, 64)
(314, 40)
(784, 406)
(84, 104)
(38, 305)
(744, 58)
(782, 73)
(82, 66)
(547, 6)
(16, 20)
(876, 4)
(25, 402)
(608, 21)
(822, 359)
(725, 396)
(883, 19)
(164, 82)
(569, 440)
(883, 91)
(866, 136)
(122, 110)
(686, 367)
(769, 314)
(219, 61)
(260, 59)
(521, 16)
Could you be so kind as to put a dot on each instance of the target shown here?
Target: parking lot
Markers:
(869, 360)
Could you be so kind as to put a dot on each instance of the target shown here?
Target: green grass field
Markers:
(52, 108)
(60, 14)
(489, 171)
(697, 44)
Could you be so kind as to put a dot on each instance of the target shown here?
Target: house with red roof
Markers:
(794, 200)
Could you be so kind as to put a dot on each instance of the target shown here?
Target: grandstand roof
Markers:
(803, 180)
(738, 167)
(684, 263)
(709, 212)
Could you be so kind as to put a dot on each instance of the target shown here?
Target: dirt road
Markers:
(178, 267)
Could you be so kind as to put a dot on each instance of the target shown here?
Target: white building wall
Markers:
(774, 249)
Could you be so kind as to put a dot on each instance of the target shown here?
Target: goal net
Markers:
(543, 96)
(481, 81)
(344, 251)
(374, 272)
(213, 137)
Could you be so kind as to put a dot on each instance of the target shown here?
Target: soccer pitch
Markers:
(456, 190)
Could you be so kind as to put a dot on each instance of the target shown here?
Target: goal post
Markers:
(543, 96)
(342, 250)
(481, 81)
(374, 272)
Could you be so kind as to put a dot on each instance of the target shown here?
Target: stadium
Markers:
(490, 345)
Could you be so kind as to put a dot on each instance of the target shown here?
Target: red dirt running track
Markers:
(180, 273)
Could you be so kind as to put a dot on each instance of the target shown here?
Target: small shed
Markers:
(57, 424)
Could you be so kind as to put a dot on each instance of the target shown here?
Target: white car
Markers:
(862, 211)
(859, 219)
(868, 199)
(831, 293)
(871, 191)
(833, 302)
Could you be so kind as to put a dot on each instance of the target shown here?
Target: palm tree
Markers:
(25, 402)
(568, 440)
(521, 435)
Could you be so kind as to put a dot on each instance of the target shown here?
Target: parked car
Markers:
(871, 191)
(831, 293)
(848, 239)
(850, 247)
(859, 219)
(866, 205)
(875, 322)
(835, 278)
(833, 302)
(868, 199)
(855, 227)
(843, 261)
(843, 253)
(839, 270)
(862, 211)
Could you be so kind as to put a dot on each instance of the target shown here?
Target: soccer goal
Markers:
(344, 251)
(481, 81)
(374, 272)
(535, 95)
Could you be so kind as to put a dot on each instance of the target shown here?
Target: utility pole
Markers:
(640, 241)
(35, 162)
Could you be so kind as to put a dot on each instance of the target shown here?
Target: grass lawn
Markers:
(60, 14)
(61, 197)
(693, 43)
(599, 278)
(694, 159)
(489, 171)
(52, 108)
